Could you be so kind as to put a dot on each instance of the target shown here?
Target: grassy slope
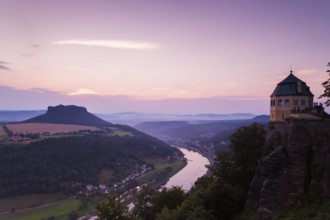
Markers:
(59, 210)
(27, 201)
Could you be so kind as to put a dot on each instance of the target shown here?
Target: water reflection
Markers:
(190, 173)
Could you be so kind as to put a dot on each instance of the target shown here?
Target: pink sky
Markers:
(159, 56)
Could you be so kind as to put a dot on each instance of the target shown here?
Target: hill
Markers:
(208, 137)
(194, 129)
(69, 114)
(80, 153)
(134, 118)
(55, 164)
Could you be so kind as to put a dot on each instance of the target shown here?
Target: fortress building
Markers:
(290, 97)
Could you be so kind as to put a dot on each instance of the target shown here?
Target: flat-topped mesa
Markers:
(69, 114)
(66, 109)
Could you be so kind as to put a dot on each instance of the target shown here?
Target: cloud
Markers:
(308, 72)
(3, 67)
(83, 91)
(115, 44)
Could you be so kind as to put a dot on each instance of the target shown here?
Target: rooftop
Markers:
(292, 85)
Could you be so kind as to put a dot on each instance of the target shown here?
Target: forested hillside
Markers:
(54, 164)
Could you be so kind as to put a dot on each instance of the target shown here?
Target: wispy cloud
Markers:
(3, 66)
(116, 44)
(83, 91)
(308, 72)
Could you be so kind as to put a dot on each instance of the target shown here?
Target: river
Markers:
(195, 168)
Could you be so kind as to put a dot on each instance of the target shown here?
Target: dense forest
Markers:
(54, 164)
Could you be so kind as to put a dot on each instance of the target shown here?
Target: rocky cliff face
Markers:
(295, 162)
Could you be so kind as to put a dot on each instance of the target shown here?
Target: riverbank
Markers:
(210, 157)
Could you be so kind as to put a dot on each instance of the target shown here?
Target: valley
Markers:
(50, 165)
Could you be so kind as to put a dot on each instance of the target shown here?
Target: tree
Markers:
(237, 166)
(169, 197)
(150, 202)
(326, 85)
(144, 204)
(112, 209)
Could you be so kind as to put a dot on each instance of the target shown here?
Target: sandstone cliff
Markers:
(69, 114)
(295, 162)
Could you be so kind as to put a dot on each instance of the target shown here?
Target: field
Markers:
(28, 201)
(121, 133)
(60, 210)
(46, 127)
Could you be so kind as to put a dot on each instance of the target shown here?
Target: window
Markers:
(295, 102)
(286, 102)
(279, 102)
(302, 102)
(272, 103)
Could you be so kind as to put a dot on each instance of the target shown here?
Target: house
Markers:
(290, 98)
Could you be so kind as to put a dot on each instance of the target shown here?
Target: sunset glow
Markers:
(159, 51)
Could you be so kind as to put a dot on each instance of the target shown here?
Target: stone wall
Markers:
(295, 162)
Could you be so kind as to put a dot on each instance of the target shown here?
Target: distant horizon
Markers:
(134, 112)
(112, 104)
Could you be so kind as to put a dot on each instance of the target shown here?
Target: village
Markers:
(122, 188)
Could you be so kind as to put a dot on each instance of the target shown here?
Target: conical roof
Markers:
(292, 85)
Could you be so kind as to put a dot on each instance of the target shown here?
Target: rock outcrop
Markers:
(295, 162)
(68, 114)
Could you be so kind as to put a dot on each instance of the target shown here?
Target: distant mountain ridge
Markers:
(131, 118)
(20, 115)
(69, 114)
(187, 130)
(134, 118)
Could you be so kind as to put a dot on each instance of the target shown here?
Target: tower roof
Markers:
(292, 85)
